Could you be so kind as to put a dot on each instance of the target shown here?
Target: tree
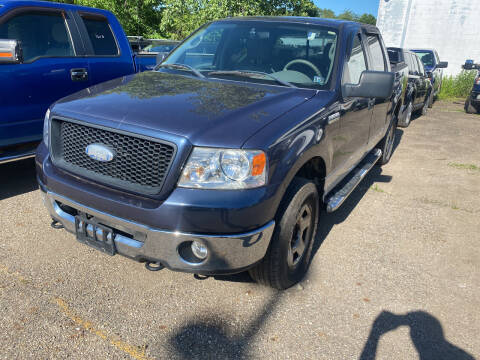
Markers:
(178, 18)
(368, 19)
(138, 17)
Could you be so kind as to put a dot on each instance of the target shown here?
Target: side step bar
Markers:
(12, 156)
(341, 193)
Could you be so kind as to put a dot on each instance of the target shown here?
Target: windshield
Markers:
(302, 55)
(427, 58)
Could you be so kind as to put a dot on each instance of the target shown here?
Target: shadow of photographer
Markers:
(426, 333)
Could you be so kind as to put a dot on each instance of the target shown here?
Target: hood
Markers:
(208, 112)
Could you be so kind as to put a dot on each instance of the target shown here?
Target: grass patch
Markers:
(455, 87)
(464, 166)
(377, 189)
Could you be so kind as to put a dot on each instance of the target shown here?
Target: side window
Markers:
(412, 64)
(408, 61)
(356, 64)
(421, 69)
(376, 51)
(101, 36)
(42, 34)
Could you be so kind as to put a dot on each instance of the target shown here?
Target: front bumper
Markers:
(226, 253)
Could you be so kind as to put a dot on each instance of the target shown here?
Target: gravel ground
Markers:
(395, 276)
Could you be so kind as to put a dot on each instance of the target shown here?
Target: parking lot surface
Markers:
(395, 275)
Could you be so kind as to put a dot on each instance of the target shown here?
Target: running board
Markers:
(341, 193)
(15, 156)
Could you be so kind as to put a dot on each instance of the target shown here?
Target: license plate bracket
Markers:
(98, 236)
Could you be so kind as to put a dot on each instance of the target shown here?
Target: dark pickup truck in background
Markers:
(417, 88)
(48, 51)
(220, 162)
(472, 104)
(434, 68)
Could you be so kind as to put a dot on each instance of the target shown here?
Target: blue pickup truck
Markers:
(434, 68)
(221, 159)
(48, 51)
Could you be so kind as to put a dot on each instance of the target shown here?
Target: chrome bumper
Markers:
(227, 253)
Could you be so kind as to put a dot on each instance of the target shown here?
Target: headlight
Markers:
(45, 127)
(209, 168)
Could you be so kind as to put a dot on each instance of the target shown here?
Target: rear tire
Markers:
(469, 108)
(289, 254)
(408, 115)
(430, 100)
(387, 143)
(425, 107)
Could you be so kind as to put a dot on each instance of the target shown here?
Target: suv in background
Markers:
(434, 67)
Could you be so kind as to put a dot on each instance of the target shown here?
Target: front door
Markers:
(378, 62)
(50, 70)
(356, 113)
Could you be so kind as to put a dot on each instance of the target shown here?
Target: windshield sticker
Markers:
(311, 36)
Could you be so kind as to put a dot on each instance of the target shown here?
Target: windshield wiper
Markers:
(251, 74)
(182, 67)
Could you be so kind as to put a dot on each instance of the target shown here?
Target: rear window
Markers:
(101, 36)
(394, 56)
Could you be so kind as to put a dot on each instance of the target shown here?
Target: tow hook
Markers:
(154, 266)
(56, 225)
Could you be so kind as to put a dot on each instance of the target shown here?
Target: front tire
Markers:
(425, 106)
(289, 254)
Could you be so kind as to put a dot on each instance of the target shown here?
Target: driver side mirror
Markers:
(372, 84)
(10, 52)
(442, 65)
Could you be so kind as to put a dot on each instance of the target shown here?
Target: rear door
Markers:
(378, 62)
(416, 79)
(52, 56)
(425, 79)
(106, 58)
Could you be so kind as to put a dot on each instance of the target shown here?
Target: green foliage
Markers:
(457, 86)
(138, 17)
(178, 18)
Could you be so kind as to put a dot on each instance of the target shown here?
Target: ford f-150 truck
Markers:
(48, 51)
(418, 90)
(472, 104)
(221, 159)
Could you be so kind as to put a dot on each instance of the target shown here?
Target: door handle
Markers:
(79, 74)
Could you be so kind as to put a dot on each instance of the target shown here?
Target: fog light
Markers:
(199, 250)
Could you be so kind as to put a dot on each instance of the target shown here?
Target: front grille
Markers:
(139, 164)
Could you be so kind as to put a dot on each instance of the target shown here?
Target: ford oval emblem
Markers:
(100, 152)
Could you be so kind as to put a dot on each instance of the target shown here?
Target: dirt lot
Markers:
(396, 274)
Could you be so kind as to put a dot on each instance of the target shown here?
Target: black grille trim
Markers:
(141, 163)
